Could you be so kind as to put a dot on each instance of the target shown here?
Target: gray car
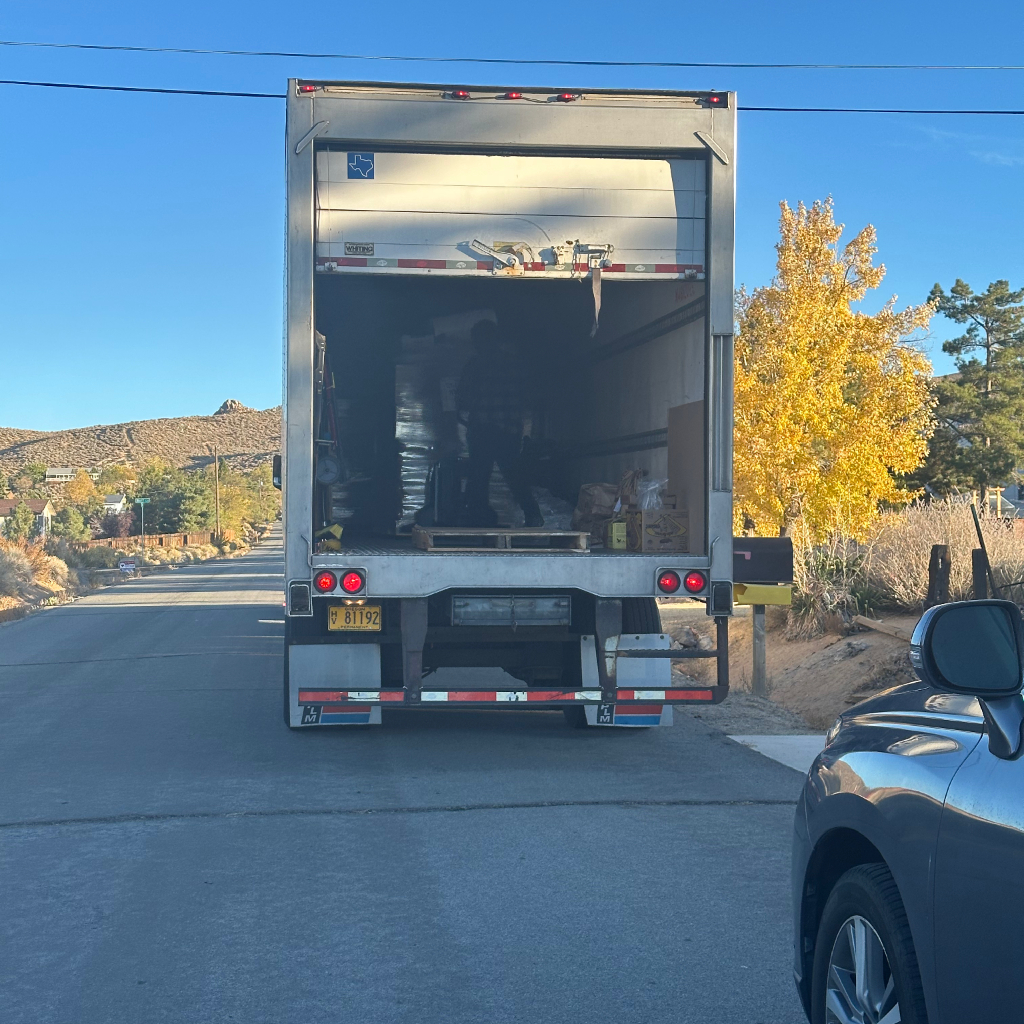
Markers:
(908, 857)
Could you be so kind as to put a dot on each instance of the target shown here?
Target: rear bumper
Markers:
(340, 684)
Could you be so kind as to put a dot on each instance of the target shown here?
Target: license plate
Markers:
(353, 616)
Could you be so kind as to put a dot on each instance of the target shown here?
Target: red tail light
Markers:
(460, 94)
(325, 581)
(668, 581)
(513, 95)
(695, 582)
(352, 582)
(567, 97)
(307, 88)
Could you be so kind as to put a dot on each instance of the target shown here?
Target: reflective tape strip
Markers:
(329, 263)
(663, 695)
(509, 696)
(328, 696)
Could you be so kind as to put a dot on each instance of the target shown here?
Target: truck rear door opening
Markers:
(596, 238)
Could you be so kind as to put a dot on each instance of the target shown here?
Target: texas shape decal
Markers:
(360, 165)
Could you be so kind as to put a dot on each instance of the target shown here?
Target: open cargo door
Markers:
(476, 214)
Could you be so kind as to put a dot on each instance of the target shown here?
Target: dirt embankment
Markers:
(815, 679)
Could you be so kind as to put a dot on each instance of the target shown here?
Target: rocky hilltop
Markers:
(244, 438)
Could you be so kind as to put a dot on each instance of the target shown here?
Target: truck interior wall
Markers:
(646, 358)
(602, 402)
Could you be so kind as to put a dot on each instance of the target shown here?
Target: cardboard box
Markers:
(657, 529)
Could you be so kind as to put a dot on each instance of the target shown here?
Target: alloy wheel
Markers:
(860, 988)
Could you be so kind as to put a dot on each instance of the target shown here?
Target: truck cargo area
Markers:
(599, 401)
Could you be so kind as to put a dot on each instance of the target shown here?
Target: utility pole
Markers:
(216, 484)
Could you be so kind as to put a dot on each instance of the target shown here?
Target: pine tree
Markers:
(21, 524)
(980, 411)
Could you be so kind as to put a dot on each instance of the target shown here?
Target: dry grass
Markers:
(24, 565)
(840, 578)
(901, 547)
(15, 570)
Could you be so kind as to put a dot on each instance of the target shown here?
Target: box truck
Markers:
(594, 229)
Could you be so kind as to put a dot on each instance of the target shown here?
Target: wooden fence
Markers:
(156, 540)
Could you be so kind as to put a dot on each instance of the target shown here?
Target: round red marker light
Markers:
(513, 95)
(567, 97)
(695, 582)
(352, 582)
(307, 88)
(325, 581)
(460, 94)
(668, 581)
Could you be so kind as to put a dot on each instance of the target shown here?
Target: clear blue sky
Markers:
(141, 255)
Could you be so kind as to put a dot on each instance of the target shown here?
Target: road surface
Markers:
(169, 851)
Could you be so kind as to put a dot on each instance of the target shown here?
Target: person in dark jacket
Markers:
(492, 394)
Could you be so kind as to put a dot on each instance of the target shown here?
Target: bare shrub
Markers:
(15, 570)
(900, 549)
(831, 585)
(23, 563)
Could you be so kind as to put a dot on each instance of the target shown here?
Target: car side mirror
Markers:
(276, 472)
(977, 648)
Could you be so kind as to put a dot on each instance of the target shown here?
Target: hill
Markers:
(244, 438)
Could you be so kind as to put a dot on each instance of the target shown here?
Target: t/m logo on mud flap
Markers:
(311, 714)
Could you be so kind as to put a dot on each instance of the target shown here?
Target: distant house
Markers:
(40, 507)
(60, 474)
(113, 504)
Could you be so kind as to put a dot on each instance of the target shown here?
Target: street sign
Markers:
(127, 565)
(142, 501)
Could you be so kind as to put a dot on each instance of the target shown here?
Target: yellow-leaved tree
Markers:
(831, 404)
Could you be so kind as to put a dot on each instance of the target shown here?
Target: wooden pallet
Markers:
(493, 538)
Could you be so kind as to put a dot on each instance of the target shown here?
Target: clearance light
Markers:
(325, 581)
(695, 582)
(513, 95)
(567, 97)
(307, 88)
(668, 581)
(460, 94)
(352, 582)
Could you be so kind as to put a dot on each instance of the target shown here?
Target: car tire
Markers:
(865, 913)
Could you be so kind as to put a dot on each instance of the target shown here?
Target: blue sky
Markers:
(141, 256)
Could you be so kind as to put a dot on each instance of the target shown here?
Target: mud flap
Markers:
(631, 674)
(318, 674)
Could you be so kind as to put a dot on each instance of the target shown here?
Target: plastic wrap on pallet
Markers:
(417, 416)
(352, 496)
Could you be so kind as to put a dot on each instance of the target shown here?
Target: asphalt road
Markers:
(169, 851)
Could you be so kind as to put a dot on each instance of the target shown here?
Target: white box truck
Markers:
(595, 229)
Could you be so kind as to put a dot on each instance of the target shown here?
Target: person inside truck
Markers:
(492, 395)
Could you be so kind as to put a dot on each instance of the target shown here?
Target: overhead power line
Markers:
(280, 96)
(515, 61)
(147, 88)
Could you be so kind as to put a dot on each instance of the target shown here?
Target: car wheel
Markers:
(865, 968)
